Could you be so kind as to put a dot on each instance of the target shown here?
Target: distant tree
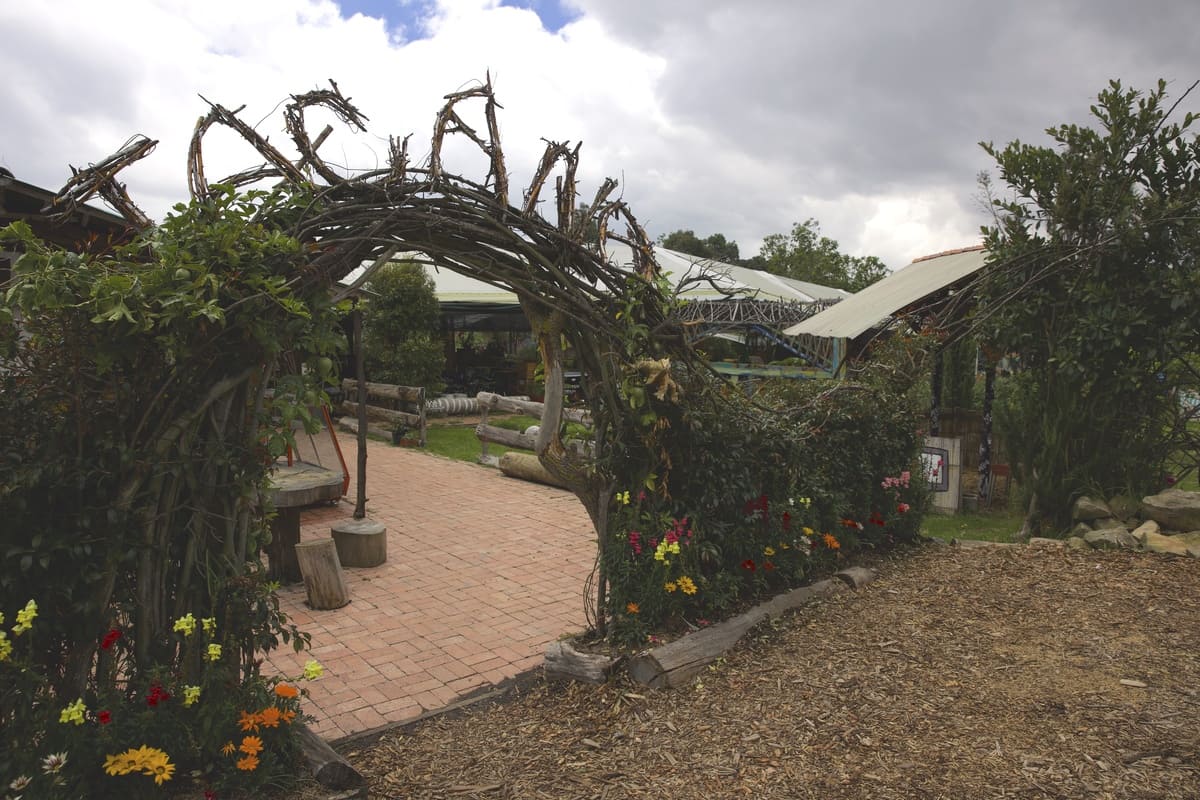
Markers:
(715, 247)
(402, 328)
(806, 255)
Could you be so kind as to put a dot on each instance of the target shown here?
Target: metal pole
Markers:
(360, 373)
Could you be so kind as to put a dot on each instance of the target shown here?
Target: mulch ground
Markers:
(997, 672)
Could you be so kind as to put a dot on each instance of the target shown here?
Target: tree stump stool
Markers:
(360, 543)
(323, 579)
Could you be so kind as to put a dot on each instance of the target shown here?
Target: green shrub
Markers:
(402, 328)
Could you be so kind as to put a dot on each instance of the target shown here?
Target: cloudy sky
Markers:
(734, 117)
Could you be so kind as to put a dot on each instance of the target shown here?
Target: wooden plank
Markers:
(407, 394)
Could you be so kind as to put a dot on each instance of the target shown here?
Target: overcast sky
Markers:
(734, 117)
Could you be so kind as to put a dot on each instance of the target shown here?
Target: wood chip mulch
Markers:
(991, 672)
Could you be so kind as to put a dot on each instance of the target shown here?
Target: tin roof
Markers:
(871, 307)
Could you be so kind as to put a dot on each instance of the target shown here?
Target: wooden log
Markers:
(564, 661)
(360, 543)
(323, 579)
(855, 577)
(406, 394)
(386, 415)
(675, 663)
(326, 764)
(350, 424)
(281, 552)
(531, 407)
(490, 433)
(527, 467)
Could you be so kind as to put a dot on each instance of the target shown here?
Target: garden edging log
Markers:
(675, 663)
(326, 764)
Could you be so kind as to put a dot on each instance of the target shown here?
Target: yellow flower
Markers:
(784, 546)
(25, 618)
(673, 548)
(185, 625)
(313, 670)
(670, 586)
(623, 498)
(73, 713)
(808, 531)
(210, 625)
(251, 745)
(5, 646)
(805, 501)
(768, 551)
(161, 772)
(686, 585)
(632, 608)
(190, 695)
(228, 748)
(214, 652)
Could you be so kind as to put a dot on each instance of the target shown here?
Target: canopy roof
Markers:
(874, 305)
(451, 287)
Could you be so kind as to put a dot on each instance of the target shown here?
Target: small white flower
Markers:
(20, 783)
(53, 763)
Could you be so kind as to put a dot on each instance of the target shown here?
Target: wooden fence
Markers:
(517, 440)
(395, 406)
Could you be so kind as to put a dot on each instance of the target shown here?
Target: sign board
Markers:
(941, 460)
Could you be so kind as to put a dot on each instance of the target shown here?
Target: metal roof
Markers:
(872, 306)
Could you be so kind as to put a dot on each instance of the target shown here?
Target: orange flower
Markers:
(831, 542)
(249, 722)
(249, 763)
(288, 716)
(228, 748)
(251, 745)
(269, 717)
(286, 690)
(632, 608)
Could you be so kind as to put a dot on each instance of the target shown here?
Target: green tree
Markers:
(807, 255)
(402, 328)
(1094, 286)
(715, 247)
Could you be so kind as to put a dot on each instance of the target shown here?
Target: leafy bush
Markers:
(754, 499)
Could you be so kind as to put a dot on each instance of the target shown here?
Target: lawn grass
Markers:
(991, 526)
(460, 443)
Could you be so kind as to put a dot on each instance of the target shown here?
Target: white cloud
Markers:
(734, 118)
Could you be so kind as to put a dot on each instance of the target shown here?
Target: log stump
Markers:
(322, 572)
(360, 543)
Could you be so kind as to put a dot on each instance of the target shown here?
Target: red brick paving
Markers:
(482, 572)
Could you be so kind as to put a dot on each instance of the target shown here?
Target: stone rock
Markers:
(1174, 509)
(1040, 541)
(1111, 539)
(1078, 543)
(1124, 507)
(1157, 543)
(1087, 509)
(1147, 527)
(533, 430)
(1080, 530)
(1192, 540)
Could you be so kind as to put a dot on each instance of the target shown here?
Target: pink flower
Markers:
(903, 508)
(635, 542)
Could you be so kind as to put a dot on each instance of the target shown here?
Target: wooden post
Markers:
(323, 579)
(421, 414)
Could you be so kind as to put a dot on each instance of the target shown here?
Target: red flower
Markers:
(849, 523)
(157, 695)
(768, 566)
(749, 564)
(109, 638)
(104, 717)
(876, 519)
(787, 521)
(903, 508)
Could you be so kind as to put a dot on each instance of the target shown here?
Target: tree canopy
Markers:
(807, 255)
(1094, 287)
(402, 328)
(715, 246)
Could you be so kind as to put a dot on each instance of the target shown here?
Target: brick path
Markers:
(482, 572)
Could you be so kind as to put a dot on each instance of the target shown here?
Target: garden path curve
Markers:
(482, 572)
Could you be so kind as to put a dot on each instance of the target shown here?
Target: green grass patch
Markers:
(991, 526)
